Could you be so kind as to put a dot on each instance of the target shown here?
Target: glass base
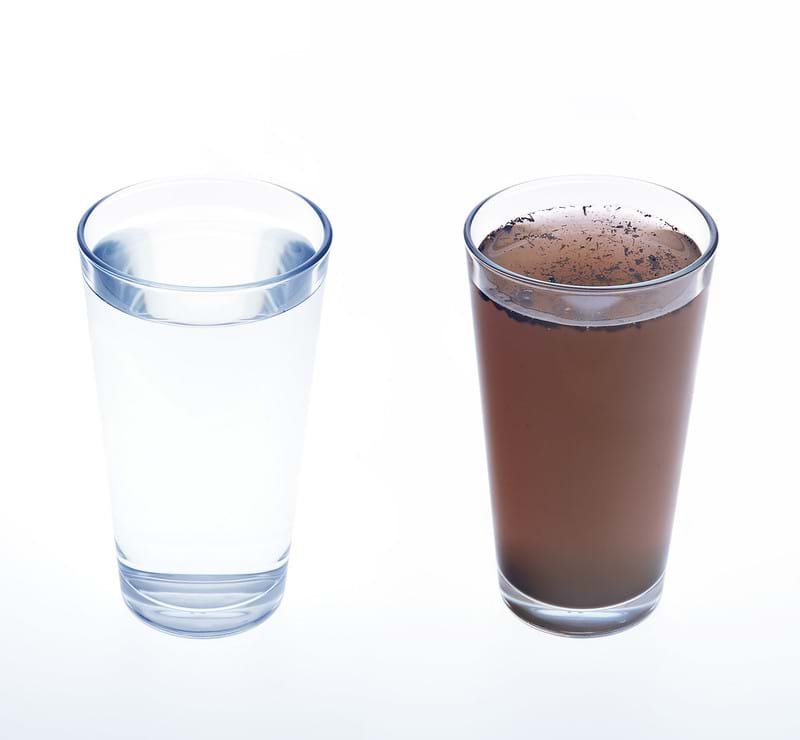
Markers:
(202, 605)
(569, 622)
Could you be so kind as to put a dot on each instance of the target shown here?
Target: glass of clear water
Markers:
(204, 299)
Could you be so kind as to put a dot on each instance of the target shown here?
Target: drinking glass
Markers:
(204, 300)
(586, 395)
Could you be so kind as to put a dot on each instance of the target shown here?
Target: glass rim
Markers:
(327, 237)
(703, 259)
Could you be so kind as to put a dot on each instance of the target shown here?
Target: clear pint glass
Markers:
(587, 369)
(204, 300)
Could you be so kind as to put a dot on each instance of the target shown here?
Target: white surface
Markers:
(397, 120)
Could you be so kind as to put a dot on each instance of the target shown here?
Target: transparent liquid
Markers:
(203, 425)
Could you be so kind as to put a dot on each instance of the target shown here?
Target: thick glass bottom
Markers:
(570, 622)
(202, 605)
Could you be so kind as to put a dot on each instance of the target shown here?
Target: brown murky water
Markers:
(585, 426)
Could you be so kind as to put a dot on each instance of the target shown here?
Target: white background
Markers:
(397, 118)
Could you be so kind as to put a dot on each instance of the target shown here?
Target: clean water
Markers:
(203, 424)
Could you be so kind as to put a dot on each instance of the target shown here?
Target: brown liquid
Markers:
(585, 426)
